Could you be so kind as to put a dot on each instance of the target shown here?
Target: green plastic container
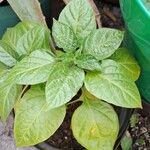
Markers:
(137, 39)
(8, 18)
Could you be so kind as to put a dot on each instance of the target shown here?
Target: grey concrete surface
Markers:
(7, 141)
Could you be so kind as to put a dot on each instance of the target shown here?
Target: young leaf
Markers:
(95, 9)
(79, 16)
(33, 69)
(7, 55)
(66, 57)
(95, 125)
(64, 36)
(113, 87)
(102, 43)
(87, 62)
(9, 93)
(36, 38)
(126, 142)
(28, 10)
(127, 63)
(32, 123)
(63, 84)
(12, 35)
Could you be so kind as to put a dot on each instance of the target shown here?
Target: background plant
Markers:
(88, 59)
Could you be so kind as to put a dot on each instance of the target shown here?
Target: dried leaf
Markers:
(28, 10)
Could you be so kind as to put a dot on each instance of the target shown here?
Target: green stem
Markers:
(20, 95)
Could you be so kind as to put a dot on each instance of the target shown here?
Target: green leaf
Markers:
(32, 123)
(33, 69)
(95, 125)
(63, 84)
(66, 57)
(126, 142)
(87, 62)
(7, 55)
(135, 118)
(126, 63)
(79, 16)
(3, 66)
(12, 35)
(9, 93)
(64, 36)
(4, 74)
(102, 43)
(113, 87)
(36, 38)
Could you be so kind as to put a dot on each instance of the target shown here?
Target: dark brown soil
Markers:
(140, 133)
(63, 138)
(110, 15)
(3, 3)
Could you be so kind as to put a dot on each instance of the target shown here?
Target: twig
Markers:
(96, 12)
(78, 100)
(109, 14)
(66, 1)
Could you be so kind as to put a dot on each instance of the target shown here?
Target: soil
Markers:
(110, 15)
(3, 3)
(63, 138)
(140, 133)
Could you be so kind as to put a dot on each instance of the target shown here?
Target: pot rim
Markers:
(143, 7)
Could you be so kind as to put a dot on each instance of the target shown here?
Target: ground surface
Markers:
(7, 138)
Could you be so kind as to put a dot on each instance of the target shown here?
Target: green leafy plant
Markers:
(127, 141)
(39, 82)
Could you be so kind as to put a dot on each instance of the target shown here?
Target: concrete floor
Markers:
(7, 141)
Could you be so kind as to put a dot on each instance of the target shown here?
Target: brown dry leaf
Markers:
(28, 10)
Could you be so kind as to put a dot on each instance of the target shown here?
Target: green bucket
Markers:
(137, 39)
(8, 18)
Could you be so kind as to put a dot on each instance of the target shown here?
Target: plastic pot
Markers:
(8, 18)
(137, 39)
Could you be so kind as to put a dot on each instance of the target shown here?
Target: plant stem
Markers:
(20, 95)
(75, 101)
